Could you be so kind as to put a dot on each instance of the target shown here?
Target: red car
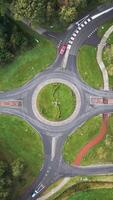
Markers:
(63, 49)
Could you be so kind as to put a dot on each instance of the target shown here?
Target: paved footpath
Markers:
(93, 142)
(99, 57)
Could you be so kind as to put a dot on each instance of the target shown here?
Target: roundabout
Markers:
(54, 127)
(73, 98)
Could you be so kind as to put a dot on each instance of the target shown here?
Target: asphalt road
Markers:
(54, 136)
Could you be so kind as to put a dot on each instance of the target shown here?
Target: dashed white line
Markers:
(77, 31)
(74, 34)
(70, 42)
(81, 20)
(72, 38)
(92, 33)
(68, 46)
(88, 19)
(79, 28)
(82, 25)
(85, 22)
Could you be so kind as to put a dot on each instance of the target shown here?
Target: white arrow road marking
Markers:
(102, 13)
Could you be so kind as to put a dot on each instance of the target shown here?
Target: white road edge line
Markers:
(81, 20)
(102, 13)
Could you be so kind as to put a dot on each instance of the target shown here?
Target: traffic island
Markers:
(56, 102)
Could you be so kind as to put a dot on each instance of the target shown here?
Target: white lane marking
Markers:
(101, 13)
(40, 188)
(53, 148)
(68, 46)
(88, 19)
(70, 42)
(74, 34)
(79, 28)
(72, 38)
(76, 31)
(81, 20)
(85, 22)
(92, 33)
(82, 25)
(54, 190)
(51, 35)
(71, 26)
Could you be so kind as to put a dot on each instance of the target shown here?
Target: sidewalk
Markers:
(100, 60)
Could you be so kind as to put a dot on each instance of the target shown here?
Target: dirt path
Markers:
(84, 150)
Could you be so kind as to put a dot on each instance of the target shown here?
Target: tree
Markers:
(67, 14)
(5, 180)
(17, 167)
(105, 1)
(50, 11)
(3, 7)
(34, 10)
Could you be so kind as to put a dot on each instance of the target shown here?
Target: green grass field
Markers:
(102, 29)
(101, 153)
(110, 39)
(80, 137)
(26, 65)
(56, 102)
(88, 66)
(96, 194)
(83, 183)
(19, 140)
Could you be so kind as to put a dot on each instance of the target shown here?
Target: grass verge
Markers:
(103, 28)
(77, 184)
(19, 140)
(93, 194)
(88, 66)
(56, 102)
(27, 64)
(101, 153)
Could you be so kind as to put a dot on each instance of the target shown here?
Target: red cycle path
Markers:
(94, 141)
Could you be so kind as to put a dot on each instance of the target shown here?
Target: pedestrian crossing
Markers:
(78, 29)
